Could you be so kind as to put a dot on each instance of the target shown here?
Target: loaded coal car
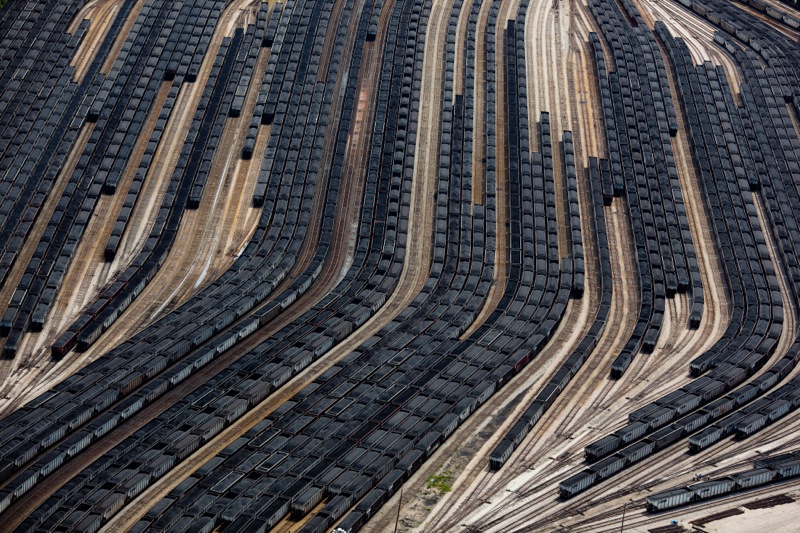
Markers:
(577, 483)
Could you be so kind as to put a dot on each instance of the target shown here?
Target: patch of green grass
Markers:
(441, 483)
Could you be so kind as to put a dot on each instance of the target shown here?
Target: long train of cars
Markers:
(765, 471)
(556, 385)
(643, 166)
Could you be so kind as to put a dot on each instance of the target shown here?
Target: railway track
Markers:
(687, 344)
(565, 88)
(38, 371)
(356, 165)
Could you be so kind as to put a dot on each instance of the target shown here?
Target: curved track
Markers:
(563, 79)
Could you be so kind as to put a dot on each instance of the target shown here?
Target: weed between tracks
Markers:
(418, 503)
(440, 483)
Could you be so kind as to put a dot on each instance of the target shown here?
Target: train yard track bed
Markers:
(425, 266)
